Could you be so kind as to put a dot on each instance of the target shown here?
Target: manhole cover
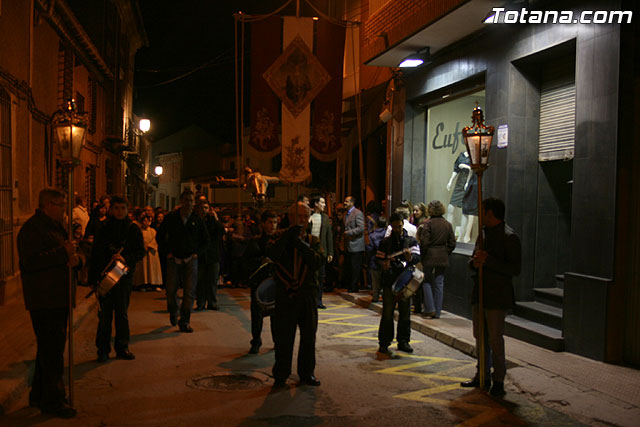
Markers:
(229, 381)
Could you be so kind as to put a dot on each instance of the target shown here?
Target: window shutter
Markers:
(557, 119)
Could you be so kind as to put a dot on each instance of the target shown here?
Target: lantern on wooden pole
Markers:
(69, 133)
(477, 139)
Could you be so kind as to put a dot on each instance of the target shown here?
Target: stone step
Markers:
(549, 296)
(534, 333)
(560, 281)
(534, 311)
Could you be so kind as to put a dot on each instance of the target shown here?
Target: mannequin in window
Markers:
(461, 176)
(469, 207)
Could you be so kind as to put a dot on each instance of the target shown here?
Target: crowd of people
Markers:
(286, 259)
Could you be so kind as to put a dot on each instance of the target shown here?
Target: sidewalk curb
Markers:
(434, 332)
(9, 396)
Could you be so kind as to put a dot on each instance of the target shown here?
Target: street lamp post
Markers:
(69, 132)
(477, 139)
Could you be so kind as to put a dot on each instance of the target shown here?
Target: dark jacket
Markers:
(375, 238)
(182, 240)
(437, 241)
(215, 229)
(115, 234)
(393, 244)
(310, 257)
(255, 256)
(504, 260)
(326, 235)
(43, 263)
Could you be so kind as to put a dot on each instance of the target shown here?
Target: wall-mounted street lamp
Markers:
(158, 170)
(421, 57)
(477, 138)
(69, 129)
(144, 125)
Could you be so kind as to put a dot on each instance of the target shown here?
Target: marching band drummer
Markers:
(118, 232)
(255, 255)
(397, 241)
(297, 257)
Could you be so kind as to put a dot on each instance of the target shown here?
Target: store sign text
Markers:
(441, 140)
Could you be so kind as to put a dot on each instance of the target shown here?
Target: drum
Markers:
(266, 296)
(408, 282)
(115, 271)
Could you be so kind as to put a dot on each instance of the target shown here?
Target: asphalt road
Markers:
(207, 378)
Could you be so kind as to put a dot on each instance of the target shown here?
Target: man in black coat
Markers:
(297, 257)
(397, 241)
(321, 229)
(45, 256)
(255, 256)
(183, 235)
(209, 258)
(501, 261)
(121, 240)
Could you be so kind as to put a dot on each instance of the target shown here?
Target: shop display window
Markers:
(449, 177)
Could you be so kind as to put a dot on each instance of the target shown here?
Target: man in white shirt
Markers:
(321, 229)
(80, 214)
(411, 229)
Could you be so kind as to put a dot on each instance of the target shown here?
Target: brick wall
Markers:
(400, 19)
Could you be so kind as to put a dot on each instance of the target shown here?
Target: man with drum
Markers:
(396, 253)
(119, 239)
(256, 255)
(297, 256)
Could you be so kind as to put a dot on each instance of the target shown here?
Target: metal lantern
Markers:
(69, 132)
(477, 138)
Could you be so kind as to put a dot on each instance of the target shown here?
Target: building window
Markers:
(80, 102)
(557, 111)
(6, 195)
(62, 178)
(65, 75)
(90, 184)
(449, 178)
(92, 104)
(108, 170)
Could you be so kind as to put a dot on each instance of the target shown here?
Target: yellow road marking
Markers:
(483, 413)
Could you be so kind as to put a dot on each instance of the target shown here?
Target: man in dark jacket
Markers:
(45, 256)
(501, 260)
(255, 256)
(209, 258)
(297, 257)
(321, 228)
(183, 234)
(392, 267)
(121, 240)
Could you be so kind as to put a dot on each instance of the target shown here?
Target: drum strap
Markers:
(292, 284)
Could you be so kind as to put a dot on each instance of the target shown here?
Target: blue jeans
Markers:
(433, 286)
(187, 274)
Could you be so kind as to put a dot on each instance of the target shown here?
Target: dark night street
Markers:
(164, 386)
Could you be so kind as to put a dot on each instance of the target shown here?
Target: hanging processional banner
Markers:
(266, 45)
(296, 96)
(296, 77)
(326, 121)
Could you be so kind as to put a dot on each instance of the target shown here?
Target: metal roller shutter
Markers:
(557, 120)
